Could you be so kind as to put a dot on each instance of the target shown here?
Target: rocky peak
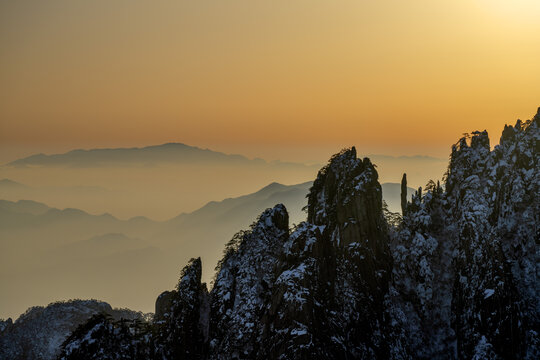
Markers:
(480, 140)
(507, 134)
(347, 196)
(331, 282)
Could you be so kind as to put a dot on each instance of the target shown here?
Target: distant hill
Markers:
(27, 215)
(392, 195)
(24, 206)
(171, 153)
(294, 196)
(7, 184)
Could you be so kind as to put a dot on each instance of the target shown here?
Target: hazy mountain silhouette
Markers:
(24, 206)
(7, 184)
(72, 195)
(170, 153)
(161, 181)
(226, 210)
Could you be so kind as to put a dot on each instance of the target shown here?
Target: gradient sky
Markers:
(290, 80)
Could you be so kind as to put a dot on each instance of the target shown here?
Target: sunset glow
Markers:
(311, 74)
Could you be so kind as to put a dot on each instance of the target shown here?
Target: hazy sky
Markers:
(291, 80)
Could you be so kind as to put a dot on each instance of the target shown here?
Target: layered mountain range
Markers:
(454, 277)
(43, 245)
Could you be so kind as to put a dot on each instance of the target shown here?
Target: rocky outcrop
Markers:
(40, 331)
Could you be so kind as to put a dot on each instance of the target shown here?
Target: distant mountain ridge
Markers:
(391, 191)
(164, 153)
(149, 155)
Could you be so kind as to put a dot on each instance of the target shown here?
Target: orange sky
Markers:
(290, 80)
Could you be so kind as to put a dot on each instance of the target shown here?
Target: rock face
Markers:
(455, 279)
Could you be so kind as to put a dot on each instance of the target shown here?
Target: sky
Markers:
(289, 80)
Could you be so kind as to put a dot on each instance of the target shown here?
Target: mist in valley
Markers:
(120, 228)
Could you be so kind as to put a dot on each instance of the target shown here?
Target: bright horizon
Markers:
(289, 81)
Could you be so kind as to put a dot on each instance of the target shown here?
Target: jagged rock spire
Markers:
(404, 194)
(179, 332)
(347, 195)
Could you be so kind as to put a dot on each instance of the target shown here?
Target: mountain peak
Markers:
(163, 153)
(339, 183)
